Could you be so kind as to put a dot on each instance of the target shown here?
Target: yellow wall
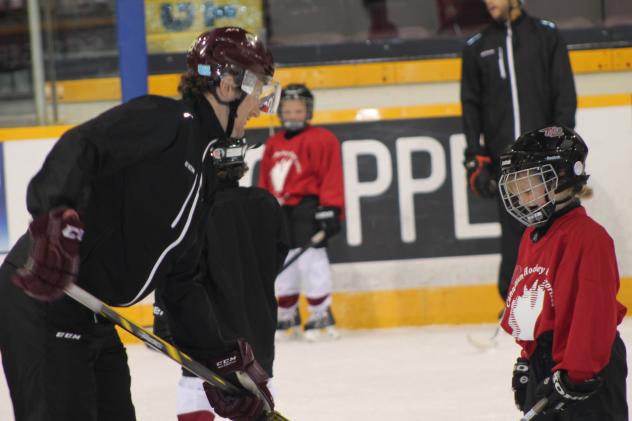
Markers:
(334, 116)
(408, 307)
(346, 75)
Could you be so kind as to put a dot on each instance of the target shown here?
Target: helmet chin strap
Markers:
(541, 230)
(565, 200)
(213, 90)
(294, 125)
(232, 108)
(232, 115)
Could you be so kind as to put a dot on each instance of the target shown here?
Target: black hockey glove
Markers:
(520, 381)
(328, 219)
(250, 405)
(561, 392)
(480, 177)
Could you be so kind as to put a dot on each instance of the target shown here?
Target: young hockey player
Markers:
(516, 78)
(562, 307)
(246, 244)
(118, 207)
(302, 168)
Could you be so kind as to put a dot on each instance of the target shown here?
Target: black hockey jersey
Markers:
(142, 179)
(246, 245)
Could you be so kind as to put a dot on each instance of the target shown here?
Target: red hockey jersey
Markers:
(308, 164)
(567, 283)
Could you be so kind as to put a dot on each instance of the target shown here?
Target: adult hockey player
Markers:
(562, 307)
(516, 77)
(118, 207)
(302, 168)
(245, 246)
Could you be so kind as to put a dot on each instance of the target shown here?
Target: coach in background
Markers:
(516, 77)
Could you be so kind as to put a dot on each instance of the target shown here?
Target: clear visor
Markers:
(266, 90)
(528, 195)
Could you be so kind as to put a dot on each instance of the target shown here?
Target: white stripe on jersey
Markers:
(180, 237)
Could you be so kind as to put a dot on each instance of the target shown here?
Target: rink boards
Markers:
(416, 248)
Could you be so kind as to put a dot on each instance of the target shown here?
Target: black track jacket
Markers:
(142, 178)
(543, 87)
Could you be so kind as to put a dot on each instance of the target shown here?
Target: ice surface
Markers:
(409, 374)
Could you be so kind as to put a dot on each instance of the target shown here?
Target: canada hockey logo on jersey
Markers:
(525, 301)
(283, 163)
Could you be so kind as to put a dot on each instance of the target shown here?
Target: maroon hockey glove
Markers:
(54, 259)
(480, 177)
(249, 406)
(520, 381)
(561, 392)
(328, 219)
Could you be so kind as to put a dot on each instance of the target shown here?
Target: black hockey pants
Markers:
(61, 362)
(609, 403)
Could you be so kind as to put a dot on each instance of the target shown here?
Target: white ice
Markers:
(408, 374)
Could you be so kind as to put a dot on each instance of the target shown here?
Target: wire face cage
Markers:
(528, 194)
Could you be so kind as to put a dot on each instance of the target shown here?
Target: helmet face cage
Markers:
(529, 194)
(301, 93)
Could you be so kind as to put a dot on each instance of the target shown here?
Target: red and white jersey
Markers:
(308, 164)
(567, 282)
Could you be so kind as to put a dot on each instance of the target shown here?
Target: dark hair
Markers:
(232, 172)
(192, 85)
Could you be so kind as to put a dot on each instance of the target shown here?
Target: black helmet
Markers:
(556, 155)
(301, 92)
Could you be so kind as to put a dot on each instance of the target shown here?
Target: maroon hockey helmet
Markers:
(241, 54)
(229, 49)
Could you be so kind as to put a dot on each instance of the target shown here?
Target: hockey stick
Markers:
(536, 410)
(99, 307)
(483, 344)
(314, 241)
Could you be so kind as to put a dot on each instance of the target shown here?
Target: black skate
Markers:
(288, 325)
(321, 324)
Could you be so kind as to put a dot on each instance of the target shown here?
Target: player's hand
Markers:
(519, 381)
(561, 392)
(328, 219)
(479, 175)
(53, 263)
(255, 401)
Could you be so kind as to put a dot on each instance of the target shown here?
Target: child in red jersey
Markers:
(562, 307)
(302, 168)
